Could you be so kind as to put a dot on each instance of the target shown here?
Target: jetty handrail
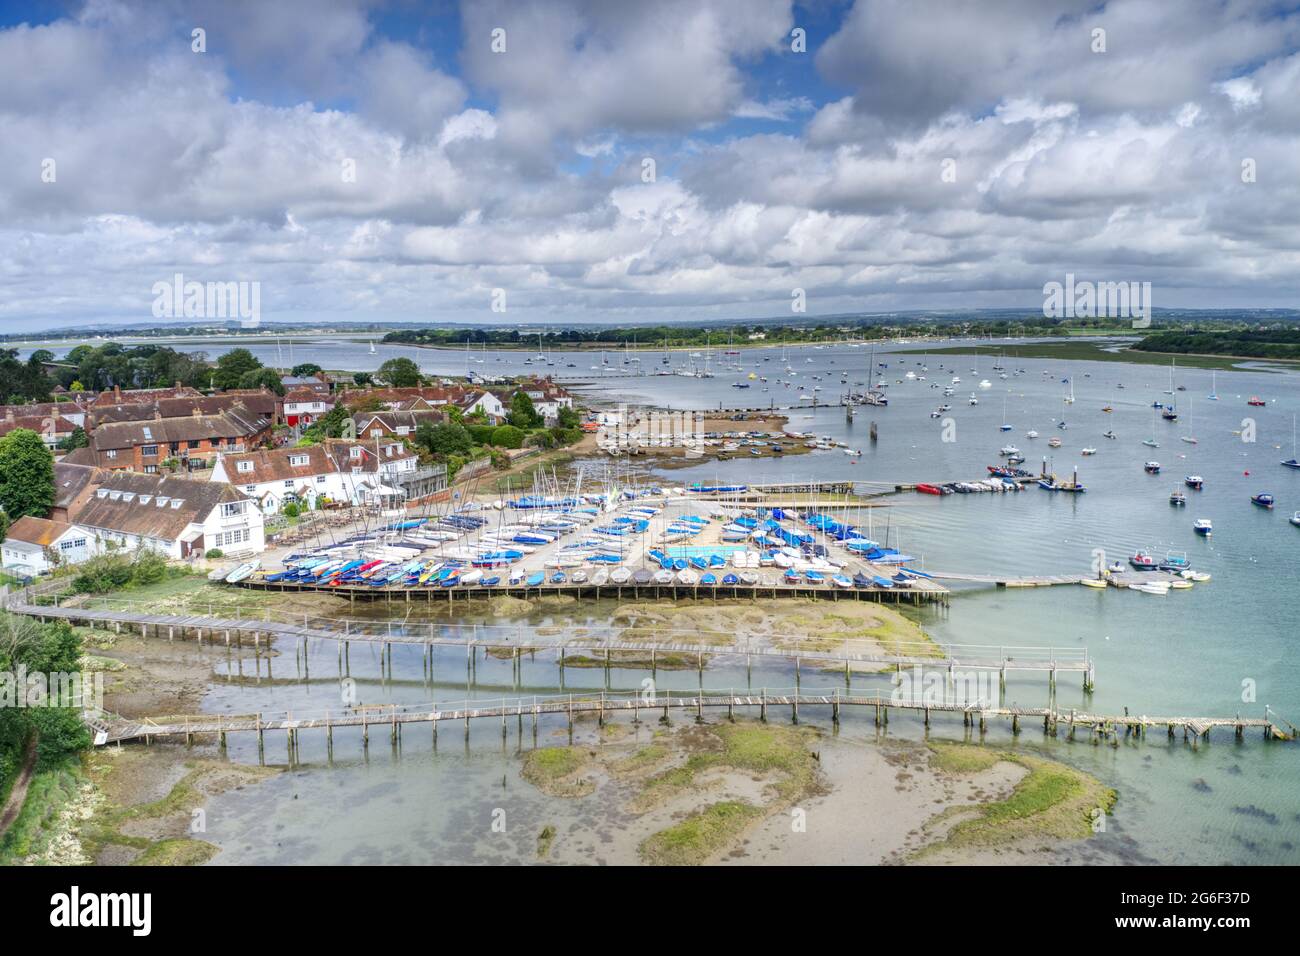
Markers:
(729, 642)
(599, 702)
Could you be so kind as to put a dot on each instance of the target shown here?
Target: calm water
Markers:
(1221, 648)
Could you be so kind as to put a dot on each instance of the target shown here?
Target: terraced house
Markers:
(178, 517)
(193, 440)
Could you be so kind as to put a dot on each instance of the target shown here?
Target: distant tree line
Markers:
(1260, 343)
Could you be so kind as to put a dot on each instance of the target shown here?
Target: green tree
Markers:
(362, 378)
(444, 440)
(77, 439)
(26, 474)
(262, 376)
(303, 369)
(399, 373)
(522, 413)
(233, 366)
(568, 417)
(24, 381)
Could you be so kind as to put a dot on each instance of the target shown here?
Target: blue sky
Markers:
(920, 154)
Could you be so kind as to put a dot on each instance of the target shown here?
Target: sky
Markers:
(665, 160)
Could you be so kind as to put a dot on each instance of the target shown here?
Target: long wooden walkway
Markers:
(266, 623)
(572, 706)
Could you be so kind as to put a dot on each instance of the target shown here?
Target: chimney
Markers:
(117, 394)
(198, 411)
(178, 385)
(9, 414)
(157, 412)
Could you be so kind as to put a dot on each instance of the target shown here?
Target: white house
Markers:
(302, 406)
(280, 476)
(485, 402)
(178, 517)
(35, 545)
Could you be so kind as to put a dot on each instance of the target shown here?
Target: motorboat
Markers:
(1151, 587)
(1141, 561)
(1152, 467)
(1203, 526)
(1263, 500)
(1194, 481)
(1177, 498)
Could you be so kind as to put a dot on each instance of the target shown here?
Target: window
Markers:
(111, 453)
(193, 444)
(320, 479)
(177, 502)
(162, 501)
(250, 488)
(297, 461)
(244, 466)
(288, 484)
(151, 469)
(232, 508)
(355, 451)
(149, 451)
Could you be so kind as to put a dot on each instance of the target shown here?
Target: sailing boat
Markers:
(372, 346)
(1005, 427)
(1069, 399)
(1214, 394)
(1170, 389)
(1151, 442)
(1188, 437)
(1291, 462)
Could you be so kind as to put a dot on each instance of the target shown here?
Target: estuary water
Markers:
(1224, 647)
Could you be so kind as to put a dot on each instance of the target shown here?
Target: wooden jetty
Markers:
(264, 624)
(393, 717)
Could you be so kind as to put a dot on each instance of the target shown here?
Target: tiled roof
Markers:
(237, 422)
(273, 465)
(152, 506)
(39, 531)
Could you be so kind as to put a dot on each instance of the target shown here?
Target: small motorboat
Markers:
(1203, 526)
(1008, 450)
(1093, 582)
(1054, 442)
(1088, 451)
(1263, 500)
(1194, 481)
(1144, 562)
(1295, 519)
(1108, 435)
(1256, 400)
(1152, 468)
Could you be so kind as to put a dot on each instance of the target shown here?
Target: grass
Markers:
(641, 761)
(1051, 801)
(760, 749)
(53, 787)
(555, 771)
(701, 835)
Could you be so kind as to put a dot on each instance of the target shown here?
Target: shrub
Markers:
(481, 434)
(291, 510)
(214, 553)
(507, 436)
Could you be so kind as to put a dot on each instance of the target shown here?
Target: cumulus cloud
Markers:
(924, 155)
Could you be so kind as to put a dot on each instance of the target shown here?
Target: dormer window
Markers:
(244, 466)
(144, 499)
(162, 501)
(177, 502)
(297, 461)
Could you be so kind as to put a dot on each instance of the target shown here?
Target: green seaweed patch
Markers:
(557, 771)
(544, 841)
(1051, 801)
(643, 760)
(177, 852)
(701, 835)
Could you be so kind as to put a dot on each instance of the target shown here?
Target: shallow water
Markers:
(1222, 648)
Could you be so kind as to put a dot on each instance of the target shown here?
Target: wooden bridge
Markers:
(262, 624)
(394, 717)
